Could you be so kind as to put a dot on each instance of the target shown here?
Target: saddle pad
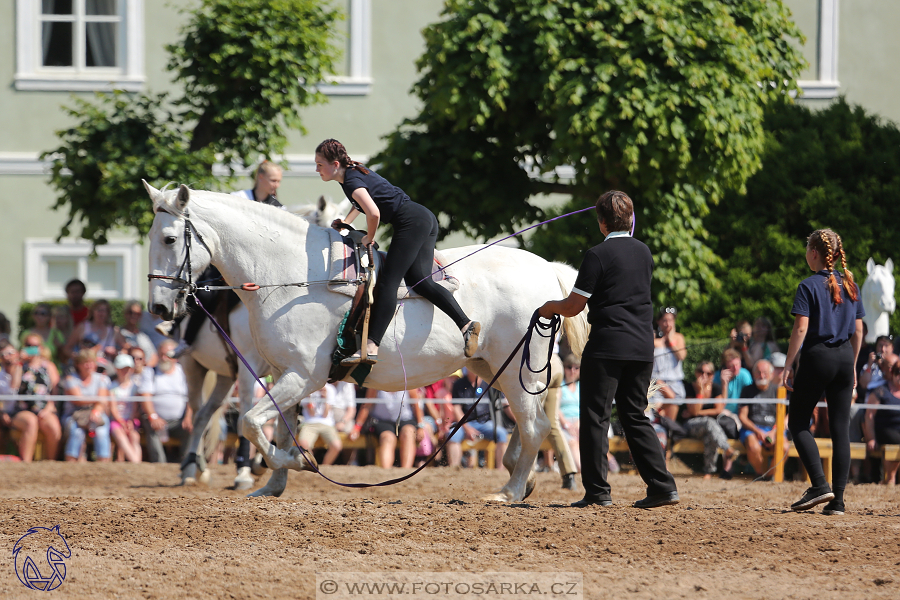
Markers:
(345, 266)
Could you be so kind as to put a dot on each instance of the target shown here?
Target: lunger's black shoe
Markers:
(593, 501)
(569, 482)
(833, 508)
(658, 500)
(812, 497)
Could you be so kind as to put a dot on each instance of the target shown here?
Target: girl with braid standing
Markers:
(828, 325)
(411, 255)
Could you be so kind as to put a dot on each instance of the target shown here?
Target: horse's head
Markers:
(878, 290)
(323, 212)
(178, 255)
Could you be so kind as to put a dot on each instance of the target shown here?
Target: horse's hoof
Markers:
(498, 497)
(244, 480)
(205, 477)
(257, 466)
(188, 481)
(274, 487)
(529, 485)
(303, 461)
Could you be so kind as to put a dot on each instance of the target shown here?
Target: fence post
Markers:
(780, 411)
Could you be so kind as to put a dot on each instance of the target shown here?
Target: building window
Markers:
(826, 83)
(357, 77)
(112, 274)
(79, 45)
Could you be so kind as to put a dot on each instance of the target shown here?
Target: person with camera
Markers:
(758, 420)
(871, 377)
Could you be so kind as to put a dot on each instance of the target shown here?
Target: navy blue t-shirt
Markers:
(387, 197)
(615, 277)
(829, 323)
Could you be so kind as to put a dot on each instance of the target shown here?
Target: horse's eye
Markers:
(170, 239)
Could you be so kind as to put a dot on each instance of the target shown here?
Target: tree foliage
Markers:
(838, 168)
(247, 68)
(663, 99)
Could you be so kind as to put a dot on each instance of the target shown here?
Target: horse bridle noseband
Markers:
(185, 286)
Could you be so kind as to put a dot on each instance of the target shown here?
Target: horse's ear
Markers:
(870, 265)
(322, 203)
(181, 200)
(154, 194)
(889, 265)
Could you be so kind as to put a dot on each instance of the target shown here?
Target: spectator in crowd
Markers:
(758, 420)
(446, 413)
(569, 416)
(777, 361)
(75, 291)
(62, 320)
(83, 416)
(383, 422)
(733, 378)
(38, 377)
(557, 440)
(669, 352)
(872, 376)
(343, 408)
(96, 332)
(124, 427)
(170, 403)
(481, 424)
(143, 380)
(318, 421)
(5, 326)
(761, 344)
(266, 180)
(883, 426)
(130, 334)
(702, 421)
(740, 338)
(10, 379)
(54, 340)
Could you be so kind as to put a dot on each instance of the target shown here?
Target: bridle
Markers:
(184, 286)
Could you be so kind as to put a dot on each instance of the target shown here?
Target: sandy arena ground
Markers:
(135, 534)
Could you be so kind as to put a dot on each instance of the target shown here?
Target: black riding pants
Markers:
(626, 381)
(829, 371)
(411, 257)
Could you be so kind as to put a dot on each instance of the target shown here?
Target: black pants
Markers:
(411, 257)
(829, 371)
(627, 381)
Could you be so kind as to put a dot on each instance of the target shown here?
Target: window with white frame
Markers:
(79, 45)
(112, 274)
(356, 79)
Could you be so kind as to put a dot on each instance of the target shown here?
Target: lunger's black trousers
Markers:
(626, 381)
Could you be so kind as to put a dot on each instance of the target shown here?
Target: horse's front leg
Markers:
(532, 426)
(288, 391)
(195, 375)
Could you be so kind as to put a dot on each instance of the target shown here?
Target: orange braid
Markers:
(849, 283)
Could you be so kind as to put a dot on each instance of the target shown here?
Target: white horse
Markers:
(294, 327)
(878, 298)
(209, 353)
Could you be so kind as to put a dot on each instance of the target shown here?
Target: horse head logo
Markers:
(40, 558)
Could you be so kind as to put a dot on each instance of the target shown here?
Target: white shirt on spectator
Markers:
(320, 401)
(170, 393)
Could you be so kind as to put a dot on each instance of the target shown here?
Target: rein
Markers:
(536, 324)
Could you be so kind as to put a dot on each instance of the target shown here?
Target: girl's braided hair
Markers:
(332, 150)
(829, 245)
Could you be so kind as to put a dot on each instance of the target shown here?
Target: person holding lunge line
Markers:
(827, 335)
(614, 282)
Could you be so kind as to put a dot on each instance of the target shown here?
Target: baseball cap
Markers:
(123, 361)
(778, 360)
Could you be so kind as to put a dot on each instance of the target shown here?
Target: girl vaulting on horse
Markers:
(411, 254)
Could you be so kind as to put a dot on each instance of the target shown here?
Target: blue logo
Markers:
(40, 556)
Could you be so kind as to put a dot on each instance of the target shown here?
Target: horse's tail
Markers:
(577, 327)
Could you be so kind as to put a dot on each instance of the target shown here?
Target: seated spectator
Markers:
(170, 403)
(570, 411)
(383, 422)
(75, 291)
(319, 422)
(39, 377)
(740, 338)
(872, 375)
(704, 421)
(10, 379)
(669, 352)
(761, 343)
(62, 320)
(143, 379)
(441, 414)
(481, 423)
(733, 378)
(5, 326)
(130, 334)
(83, 416)
(882, 427)
(124, 427)
(53, 338)
(556, 437)
(758, 420)
(96, 333)
(344, 408)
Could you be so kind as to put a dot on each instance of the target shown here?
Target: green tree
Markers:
(247, 68)
(663, 99)
(837, 168)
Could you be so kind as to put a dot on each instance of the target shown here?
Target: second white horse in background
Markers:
(878, 299)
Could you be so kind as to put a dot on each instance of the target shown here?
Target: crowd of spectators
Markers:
(136, 399)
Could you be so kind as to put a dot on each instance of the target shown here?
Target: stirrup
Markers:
(358, 359)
